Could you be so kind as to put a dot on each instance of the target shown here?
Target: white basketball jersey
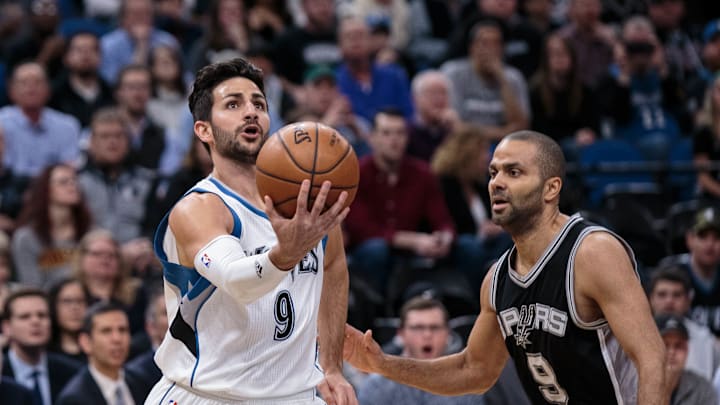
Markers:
(214, 344)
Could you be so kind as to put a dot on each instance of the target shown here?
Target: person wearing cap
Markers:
(685, 386)
(324, 102)
(711, 46)
(670, 293)
(702, 263)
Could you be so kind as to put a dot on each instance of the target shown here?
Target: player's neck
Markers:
(531, 243)
(239, 177)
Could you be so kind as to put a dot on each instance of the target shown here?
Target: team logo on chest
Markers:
(520, 322)
(309, 263)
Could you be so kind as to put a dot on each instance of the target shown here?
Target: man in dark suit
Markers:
(27, 327)
(156, 324)
(12, 392)
(105, 339)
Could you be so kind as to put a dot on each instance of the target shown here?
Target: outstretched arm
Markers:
(604, 278)
(335, 389)
(474, 370)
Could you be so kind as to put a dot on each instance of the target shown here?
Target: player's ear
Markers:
(553, 186)
(203, 130)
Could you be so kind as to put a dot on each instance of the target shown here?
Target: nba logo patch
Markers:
(173, 402)
(205, 259)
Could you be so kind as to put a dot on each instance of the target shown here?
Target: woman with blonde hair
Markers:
(101, 270)
(461, 164)
(706, 142)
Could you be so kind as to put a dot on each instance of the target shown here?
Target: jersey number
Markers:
(544, 375)
(284, 315)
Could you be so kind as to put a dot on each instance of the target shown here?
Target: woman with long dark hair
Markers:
(68, 304)
(51, 223)
(562, 107)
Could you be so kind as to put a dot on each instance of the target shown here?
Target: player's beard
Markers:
(522, 211)
(228, 145)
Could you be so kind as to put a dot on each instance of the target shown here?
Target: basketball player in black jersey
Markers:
(565, 302)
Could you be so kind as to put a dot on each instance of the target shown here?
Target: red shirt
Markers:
(381, 209)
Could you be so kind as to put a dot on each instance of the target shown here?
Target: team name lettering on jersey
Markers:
(520, 322)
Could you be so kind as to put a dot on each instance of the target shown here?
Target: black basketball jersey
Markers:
(559, 358)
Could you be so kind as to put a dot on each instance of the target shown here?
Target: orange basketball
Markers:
(306, 150)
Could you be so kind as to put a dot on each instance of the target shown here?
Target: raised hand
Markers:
(297, 235)
(361, 350)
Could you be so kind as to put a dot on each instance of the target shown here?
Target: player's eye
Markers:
(514, 172)
(260, 106)
(232, 104)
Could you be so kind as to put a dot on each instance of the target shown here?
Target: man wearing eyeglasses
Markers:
(424, 332)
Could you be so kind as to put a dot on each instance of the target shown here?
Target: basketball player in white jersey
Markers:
(256, 302)
(565, 302)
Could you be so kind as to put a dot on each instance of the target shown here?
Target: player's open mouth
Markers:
(499, 203)
(250, 131)
(427, 349)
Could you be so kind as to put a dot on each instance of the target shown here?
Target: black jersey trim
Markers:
(525, 282)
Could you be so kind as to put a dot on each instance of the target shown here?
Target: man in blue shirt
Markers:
(36, 136)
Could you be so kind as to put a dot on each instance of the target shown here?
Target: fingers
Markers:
(303, 197)
(319, 204)
(326, 392)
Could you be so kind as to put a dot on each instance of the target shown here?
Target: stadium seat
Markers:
(611, 161)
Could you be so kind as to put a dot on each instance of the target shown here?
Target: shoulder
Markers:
(513, 75)
(60, 118)
(77, 387)
(14, 393)
(197, 208)
(418, 166)
(62, 363)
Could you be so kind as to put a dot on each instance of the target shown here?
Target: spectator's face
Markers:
(45, 17)
(158, 325)
(502, 9)
(320, 13)
(486, 47)
(109, 143)
(585, 13)
(83, 55)
(137, 13)
(711, 54)
(389, 138)
(538, 8)
(165, 67)
(108, 344)
(559, 60)
(669, 297)
(704, 247)
(354, 38)
(677, 350)
(516, 186)
(169, 8)
(432, 98)
(133, 91)
(100, 260)
(667, 14)
(425, 333)
(71, 306)
(29, 323)
(29, 88)
(321, 94)
(230, 12)
(64, 189)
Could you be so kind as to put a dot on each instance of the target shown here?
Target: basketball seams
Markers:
(292, 157)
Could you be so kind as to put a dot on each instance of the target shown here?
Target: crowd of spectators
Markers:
(97, 144)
